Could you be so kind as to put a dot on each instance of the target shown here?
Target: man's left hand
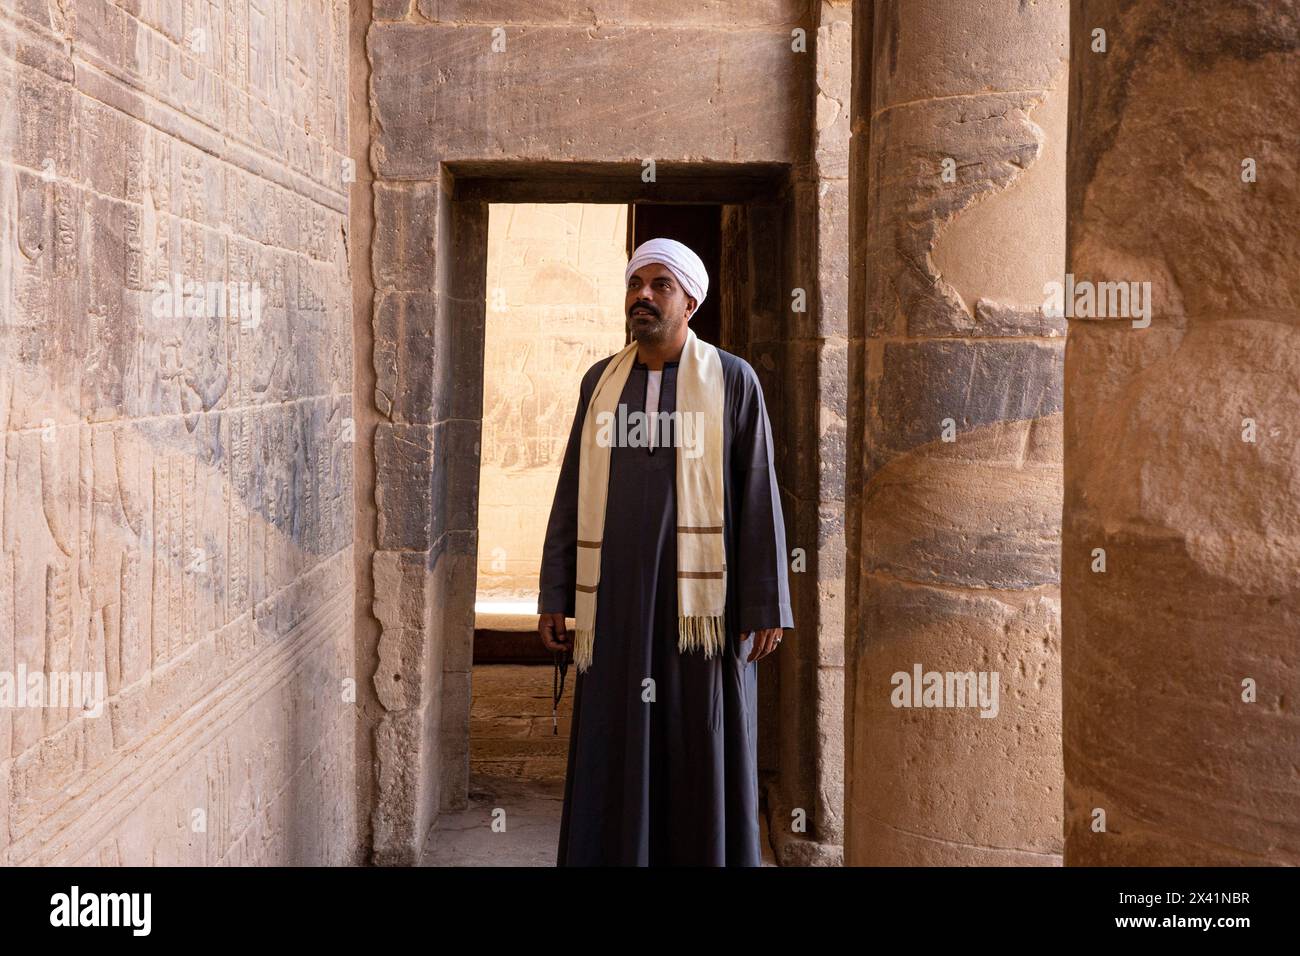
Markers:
(765, 642)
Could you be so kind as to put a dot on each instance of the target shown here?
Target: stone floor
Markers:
(529, 810)
(517, 768)
(511, 728)
(516, 774)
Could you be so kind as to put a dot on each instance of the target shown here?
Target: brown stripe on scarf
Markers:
(699, 530)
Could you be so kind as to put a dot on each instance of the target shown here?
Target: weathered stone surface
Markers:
(1181, 440)
(408, 517)
(832, 267)
(1242, 54)
(1164, 803)
(833, 99)
(391, 9)
(460, 446)
(406, 328)
(1005, 193)
(427, 111)
(459, 579)
(959, 519)
(176, 507)
(723, 13)
(555, 307)
(394, 819)
(938, 517)
(992, 767)
(406, 237)
(930, 388)
(926, 49)
(402, 598)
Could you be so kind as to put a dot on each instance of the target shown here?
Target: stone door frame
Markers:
(430, 265)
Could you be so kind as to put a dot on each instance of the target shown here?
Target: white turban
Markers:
(680, 260)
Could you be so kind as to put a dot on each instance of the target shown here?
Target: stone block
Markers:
(406, 239)
(407, 342)
(407, 520)
(738, 73)
(973, 384)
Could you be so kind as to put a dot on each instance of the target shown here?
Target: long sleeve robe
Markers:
(673, 781)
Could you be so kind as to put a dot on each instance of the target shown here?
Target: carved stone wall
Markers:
(175, 432)
(554, 308)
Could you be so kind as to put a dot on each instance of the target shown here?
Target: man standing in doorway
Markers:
(666, 542)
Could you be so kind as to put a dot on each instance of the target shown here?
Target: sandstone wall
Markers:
(177, 484)
(554, 307)
(1182, 473)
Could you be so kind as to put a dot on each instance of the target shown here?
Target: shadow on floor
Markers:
(529, 811)
(517, 766)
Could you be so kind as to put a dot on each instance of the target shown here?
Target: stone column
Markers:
(960, 509)
(1181, 550)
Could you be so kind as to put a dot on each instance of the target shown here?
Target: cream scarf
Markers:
(701, 555)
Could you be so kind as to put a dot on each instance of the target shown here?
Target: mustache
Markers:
(644, 305)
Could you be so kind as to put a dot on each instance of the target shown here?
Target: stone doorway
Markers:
(429, 320)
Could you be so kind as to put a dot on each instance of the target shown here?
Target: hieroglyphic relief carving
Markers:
(237, 547)
(193, 39)
(554, 309)
(165, 476)
(527, 423)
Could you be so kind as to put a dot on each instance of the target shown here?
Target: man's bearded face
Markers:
(656, 304)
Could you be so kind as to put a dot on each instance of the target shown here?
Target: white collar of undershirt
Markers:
(653, 380)
(652, 390)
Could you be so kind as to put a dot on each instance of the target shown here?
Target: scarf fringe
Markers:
(706, 632)
(582, 648)
(701, 631)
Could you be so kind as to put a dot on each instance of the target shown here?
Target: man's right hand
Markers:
(554, 634)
